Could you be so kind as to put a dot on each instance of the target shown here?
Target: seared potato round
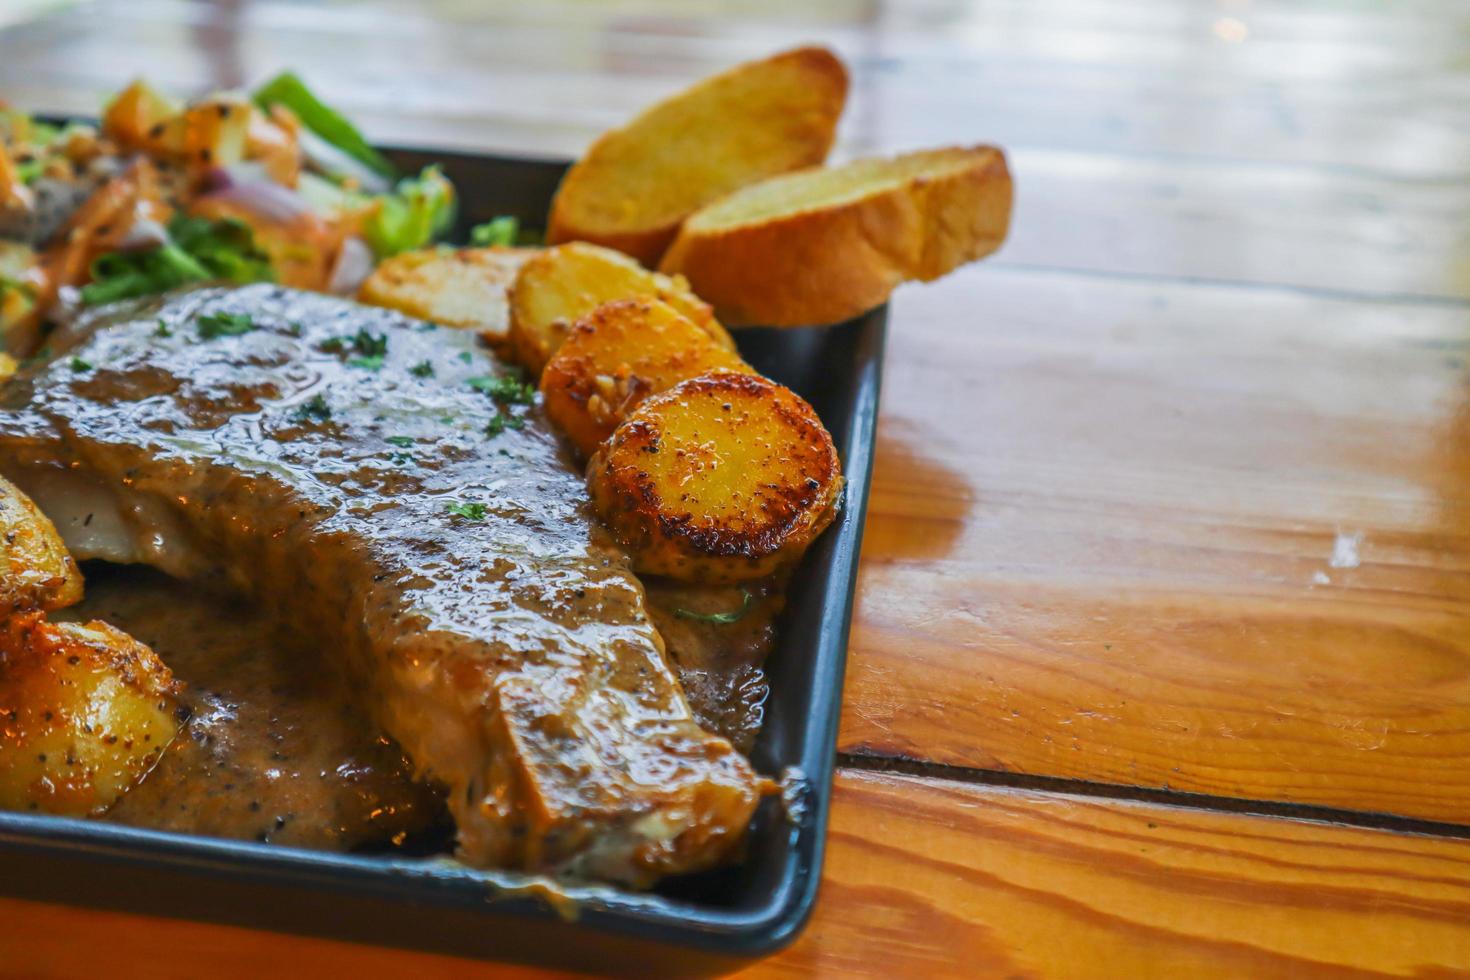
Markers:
(722, 478)
(616, 357)
(561, 285)
(38, 572)
(90, 711)
(465, 287)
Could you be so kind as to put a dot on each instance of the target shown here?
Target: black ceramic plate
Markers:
(697, 924)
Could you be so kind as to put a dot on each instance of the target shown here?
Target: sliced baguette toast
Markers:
(637, 183)
(825, 245)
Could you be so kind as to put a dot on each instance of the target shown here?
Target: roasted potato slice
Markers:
(617, 356)
(465, 287)
(561, 285)
(87, 712)
(38, 571)
(722, 478)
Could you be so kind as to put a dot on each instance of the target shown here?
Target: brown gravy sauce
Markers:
(274, 750)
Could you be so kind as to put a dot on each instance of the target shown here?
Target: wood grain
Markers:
(1187, 188)
(943, 880)
(1172, 492)
(938, 879)
(1209, 539)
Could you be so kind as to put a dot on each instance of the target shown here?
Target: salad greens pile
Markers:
(197, 250)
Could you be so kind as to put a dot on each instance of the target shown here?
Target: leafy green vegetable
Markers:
(373, 363)
(226, 248)
(472, 512)
(720, 618)
(25, 289)
(78, 365)
(402, 442)
(289, 90)
(423, 369)
(162, 330)
(500, 231)
(419, 209)
(197, 250)
(213, 325)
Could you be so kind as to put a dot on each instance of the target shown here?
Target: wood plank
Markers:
(1210, 539)
(1129, 79)
(940, 879)
(1201, 177)
(931, 878)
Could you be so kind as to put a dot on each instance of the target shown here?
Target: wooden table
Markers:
(1161, 661)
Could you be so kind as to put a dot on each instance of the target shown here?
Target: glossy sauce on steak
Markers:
(376, 483)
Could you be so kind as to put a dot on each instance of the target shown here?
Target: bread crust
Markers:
(826, 263)
(786, 105)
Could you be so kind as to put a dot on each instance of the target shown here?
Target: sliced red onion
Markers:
(265, 198)
(325, 158)
(143, 233)
(354, 264)
(244, 172)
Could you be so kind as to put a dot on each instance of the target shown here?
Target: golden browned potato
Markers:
(618, 355)
(38, 571)
(722, 478)
(89, 710)
(464, 288)
(561, 285)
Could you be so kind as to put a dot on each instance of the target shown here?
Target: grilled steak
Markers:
(382, 483)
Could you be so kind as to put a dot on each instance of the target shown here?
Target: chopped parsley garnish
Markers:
(423, 369)
(720, 618)
(500, 231)
(212, 325)
(78, 365)
(470, 512)
(370, 344)
(371, 349)
(502, 422)
(466, 356)
(507, 388)
(162, 330)
(315, 409)
(403, 442)
(295, 329)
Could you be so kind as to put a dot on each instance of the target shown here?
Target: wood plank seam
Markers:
(887, 764)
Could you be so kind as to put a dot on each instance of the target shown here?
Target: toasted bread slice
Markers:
(637, 183)
(825, 245)
(463, 288)
(565, 283)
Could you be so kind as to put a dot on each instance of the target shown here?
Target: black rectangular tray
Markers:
(694, 925)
